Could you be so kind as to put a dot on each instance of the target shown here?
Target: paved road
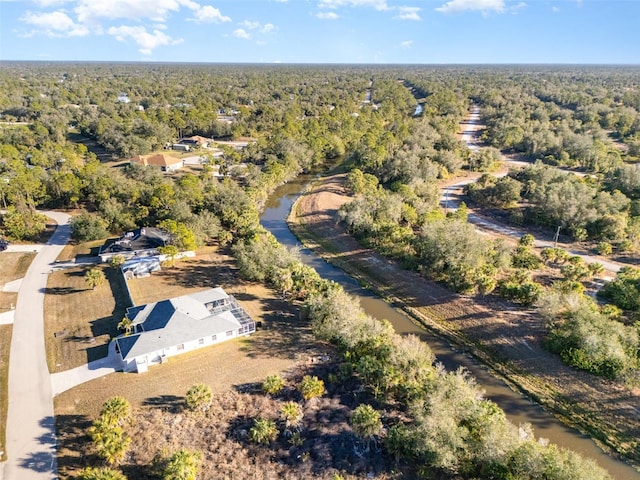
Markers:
(31, 442)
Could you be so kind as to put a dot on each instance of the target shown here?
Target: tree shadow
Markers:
(73, 442)
(61, 290)
(282, 331)
(169, 403)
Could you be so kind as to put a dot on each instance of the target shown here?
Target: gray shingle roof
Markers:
(182, 319)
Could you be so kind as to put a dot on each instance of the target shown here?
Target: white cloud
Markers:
(55, 24)
(327, 16)
(250, 25)
(266, 28)
(455, 6)
(377, 4)
(406, 44)
(555, 9)
(408, 13)
(209, 14)
(147, 41)
(91, 11)
(242, 33)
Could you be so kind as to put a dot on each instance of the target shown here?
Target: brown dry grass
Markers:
(5, 345)
(12, 267)
(328, 445)
(88, 317)
(86, 249)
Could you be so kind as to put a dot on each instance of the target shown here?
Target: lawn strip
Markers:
(80, 321)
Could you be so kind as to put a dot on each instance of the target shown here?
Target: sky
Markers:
(323, 31)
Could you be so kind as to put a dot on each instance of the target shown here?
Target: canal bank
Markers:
(452, 353)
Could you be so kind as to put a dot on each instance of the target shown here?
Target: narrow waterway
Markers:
(517, 407)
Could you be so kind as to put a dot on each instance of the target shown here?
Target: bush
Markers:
(87, 227)
(198, 397)
(264, 431)
(311, 387)
(273, 384)
(21, 225)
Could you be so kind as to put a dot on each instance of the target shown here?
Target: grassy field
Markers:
(12, 267)
(80, 322)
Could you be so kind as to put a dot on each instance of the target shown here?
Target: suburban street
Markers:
(31, 442)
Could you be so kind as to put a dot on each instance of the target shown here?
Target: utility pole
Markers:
(555, 238)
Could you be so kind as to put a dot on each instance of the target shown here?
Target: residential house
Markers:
(170, 327)
(195, 141)
(142, 242)
(167, 163)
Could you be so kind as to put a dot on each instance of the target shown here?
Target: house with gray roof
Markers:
(163, 329)
(141, 242)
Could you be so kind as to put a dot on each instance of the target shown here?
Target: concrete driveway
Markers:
(31, 442)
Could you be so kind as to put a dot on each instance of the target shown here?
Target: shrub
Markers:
(311, 387)
(198, 397)
(365, 421)
(264, 431)
(273, 384)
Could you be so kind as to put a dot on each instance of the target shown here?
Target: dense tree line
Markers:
(545, 196)
(447, 425)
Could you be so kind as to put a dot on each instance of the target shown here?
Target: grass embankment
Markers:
(552, 395)
(14, 266)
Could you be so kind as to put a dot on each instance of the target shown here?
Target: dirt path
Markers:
(502, 333)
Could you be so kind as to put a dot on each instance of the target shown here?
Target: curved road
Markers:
(452, 194)
(31, 442)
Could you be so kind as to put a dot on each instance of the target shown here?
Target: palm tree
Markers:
(125, 325)
(199, 397)
(95, 277)
(183, 465)
(291, 413)
(110, 441)
(116, 410)
(263, 431)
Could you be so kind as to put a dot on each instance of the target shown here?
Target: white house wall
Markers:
(141, 363)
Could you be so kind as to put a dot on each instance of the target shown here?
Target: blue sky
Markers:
(322, 31)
